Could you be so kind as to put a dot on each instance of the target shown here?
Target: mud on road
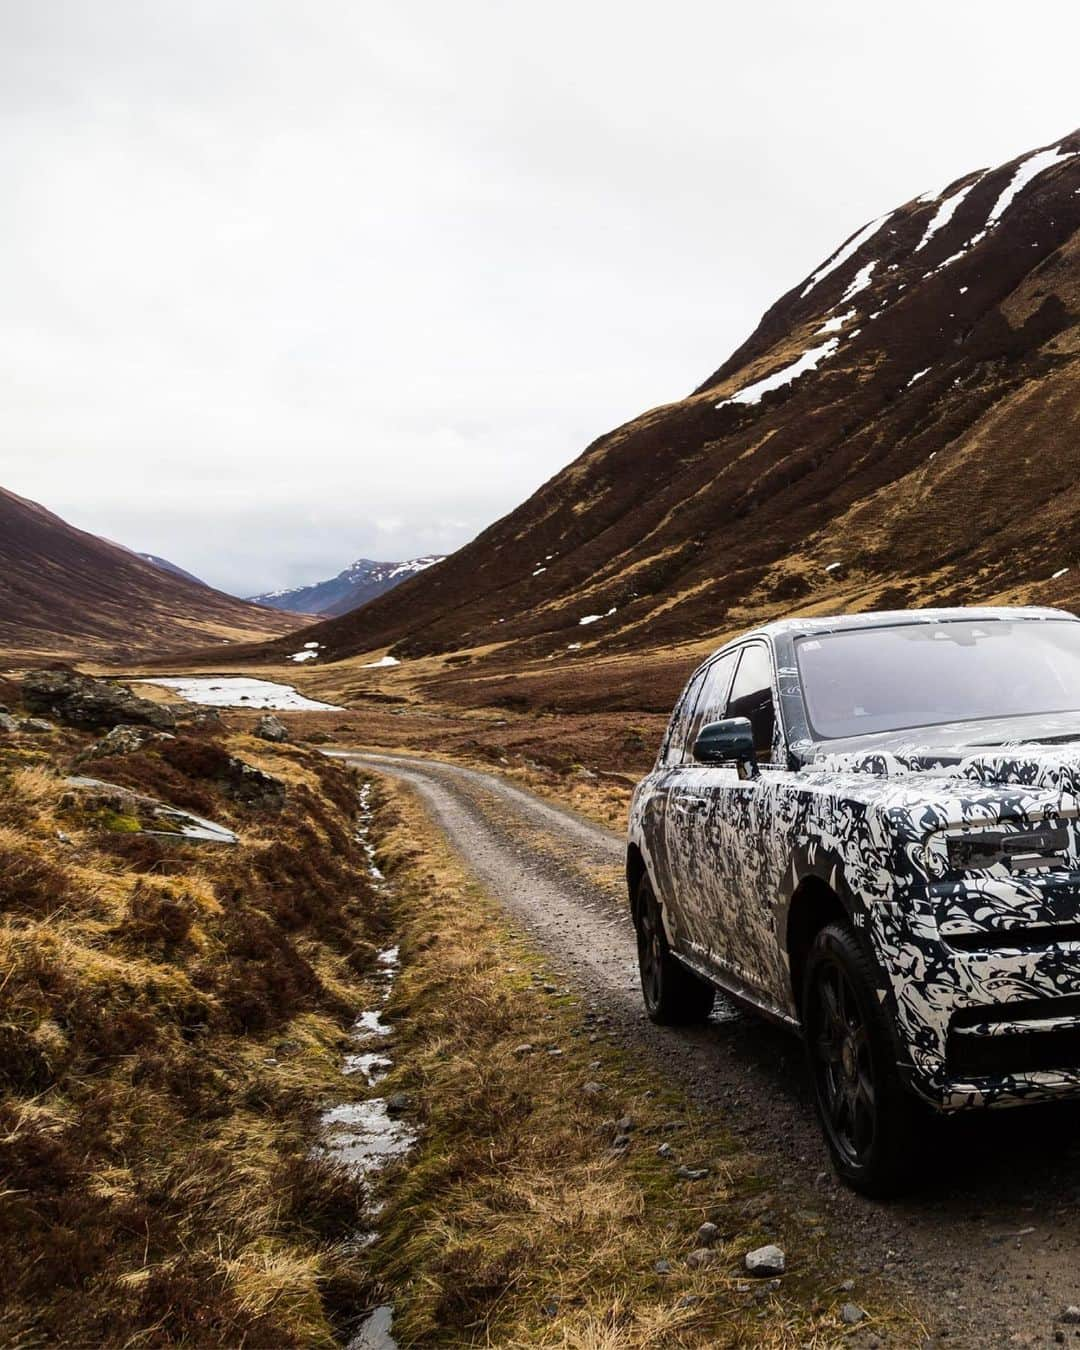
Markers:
(987, 1248)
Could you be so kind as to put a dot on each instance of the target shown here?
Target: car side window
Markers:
(711, 699)
(752, 697)
(679, 725)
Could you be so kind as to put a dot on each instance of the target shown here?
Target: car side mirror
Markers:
(730, 741)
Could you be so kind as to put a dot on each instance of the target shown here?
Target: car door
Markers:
(719, 819)
(743, 826)
(694, 913)
(657, 805)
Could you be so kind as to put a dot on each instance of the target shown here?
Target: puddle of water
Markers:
(374, 1331)
(369, 1024)
(374, 1067)
(235, 691)
(363, 1136)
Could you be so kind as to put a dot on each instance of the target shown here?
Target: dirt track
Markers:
(988, 1249)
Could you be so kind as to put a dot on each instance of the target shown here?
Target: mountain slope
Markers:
(65, 592)
(167, 566)
(900, 429)
(360, 582)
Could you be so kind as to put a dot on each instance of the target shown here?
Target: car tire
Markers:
(870, 1120)
(674, 995)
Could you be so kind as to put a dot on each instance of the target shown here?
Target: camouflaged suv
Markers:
(866, 829)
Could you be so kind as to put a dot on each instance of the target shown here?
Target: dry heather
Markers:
(170, 1016)
(517, 1222)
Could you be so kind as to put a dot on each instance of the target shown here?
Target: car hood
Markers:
(1030, 752)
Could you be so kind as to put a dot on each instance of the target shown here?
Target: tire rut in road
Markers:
(988, 1247)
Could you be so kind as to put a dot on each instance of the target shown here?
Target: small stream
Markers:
(364, 1136)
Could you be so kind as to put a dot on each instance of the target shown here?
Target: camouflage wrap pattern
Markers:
(959, 952)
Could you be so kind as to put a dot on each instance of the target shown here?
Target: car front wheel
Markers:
(869, 1118)
(673, 994)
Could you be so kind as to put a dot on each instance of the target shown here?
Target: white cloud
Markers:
(286, 284)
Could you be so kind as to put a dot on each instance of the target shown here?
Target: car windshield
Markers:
(869, 680)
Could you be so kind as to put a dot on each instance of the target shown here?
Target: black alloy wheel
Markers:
(871, 1121)
(844, 1069)
(650, 954)
(673, 994)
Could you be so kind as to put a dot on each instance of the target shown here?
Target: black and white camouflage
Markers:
(979, 966)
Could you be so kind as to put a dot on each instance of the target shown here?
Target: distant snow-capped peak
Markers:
(360, 582)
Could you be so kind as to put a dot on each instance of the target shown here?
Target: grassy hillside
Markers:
(171, 1014)
(64, 592)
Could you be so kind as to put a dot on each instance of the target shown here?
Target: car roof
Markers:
(892, 618)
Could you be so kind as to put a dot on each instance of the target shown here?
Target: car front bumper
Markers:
(984, 978)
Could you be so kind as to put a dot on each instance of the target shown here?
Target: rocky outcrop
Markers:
(254, 787)
(119, 810)
(124, 740)
(271, 728)
(82, 701)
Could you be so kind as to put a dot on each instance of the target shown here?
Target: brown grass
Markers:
(170, 1017)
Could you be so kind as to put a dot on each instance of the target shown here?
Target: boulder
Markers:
(81, 701)
(271, 728)
(765, 1261)
(7, 723)
(201, 717)
(121, 810)
(124, 740)
(254, 787)
(35, 725)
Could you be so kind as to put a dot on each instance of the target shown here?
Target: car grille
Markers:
(1027, 1049)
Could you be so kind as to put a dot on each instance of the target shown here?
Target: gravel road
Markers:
(988, 1248)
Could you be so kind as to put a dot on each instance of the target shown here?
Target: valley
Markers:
(319, 999)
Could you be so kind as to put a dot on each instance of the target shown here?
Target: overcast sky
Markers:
(284, 284)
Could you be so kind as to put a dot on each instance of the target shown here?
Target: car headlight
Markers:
(1018, 849)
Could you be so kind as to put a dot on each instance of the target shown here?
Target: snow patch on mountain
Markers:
(834, 325)
(309, 652)
(1027, 170)
(406, 569)
(810, 360)
(849, 250)
(860, 282)
(944, 214)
